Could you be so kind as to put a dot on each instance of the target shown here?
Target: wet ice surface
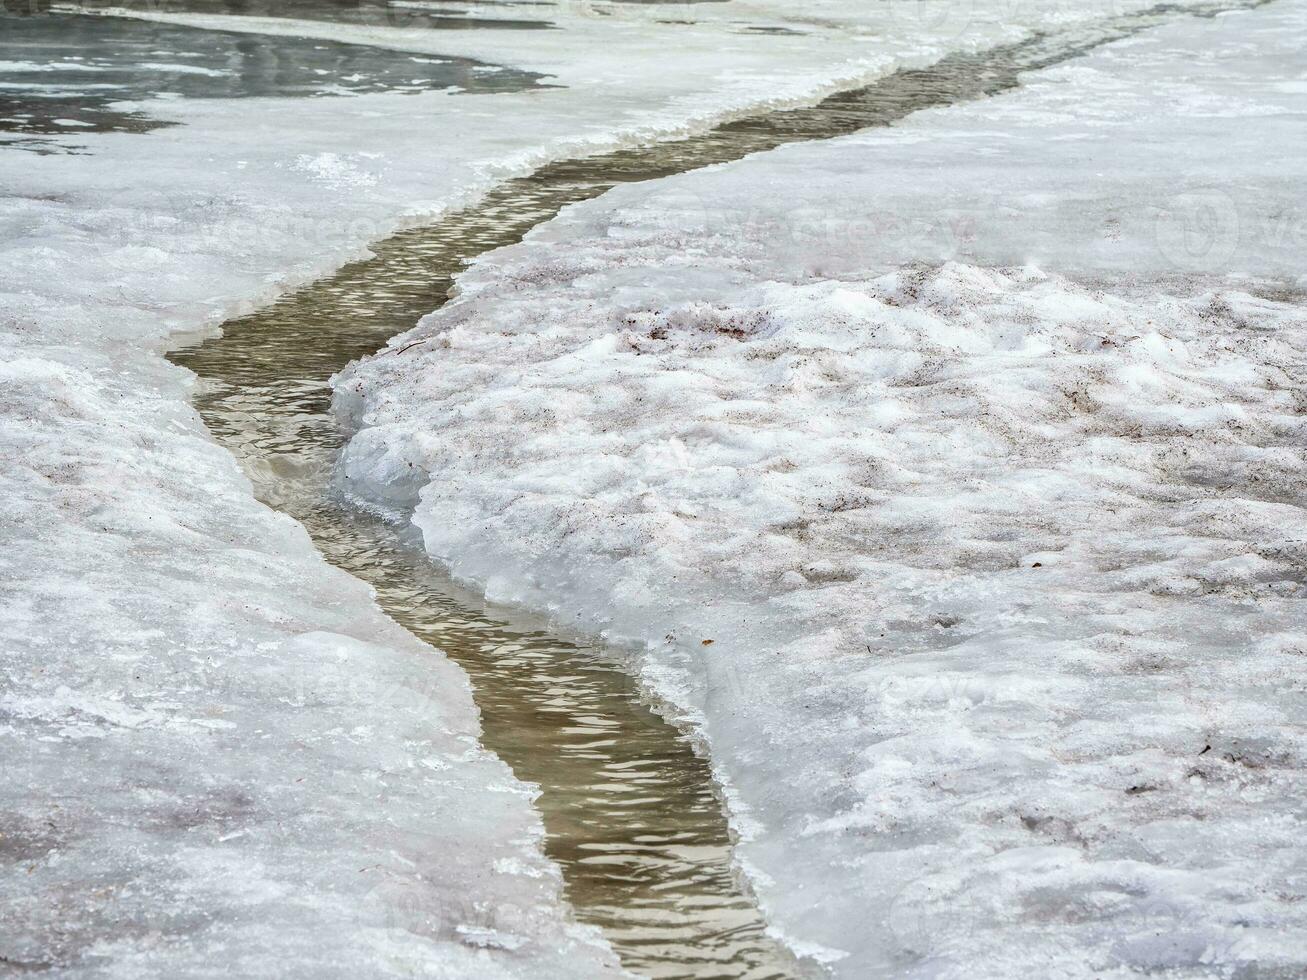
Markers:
(629, 810)
(157, 602)
(63, 73)
(1001, 563)
(217, 750)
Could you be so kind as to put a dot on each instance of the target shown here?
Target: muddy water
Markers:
(630, 810)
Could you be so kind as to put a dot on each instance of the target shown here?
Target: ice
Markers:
(633, 70)
(949, 479)
(220, 757)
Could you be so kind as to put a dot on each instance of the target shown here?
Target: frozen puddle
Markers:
(631, 812)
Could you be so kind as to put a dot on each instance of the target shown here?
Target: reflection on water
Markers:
(628, 808)
(61, 73)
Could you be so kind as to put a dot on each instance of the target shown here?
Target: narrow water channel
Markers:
(630, 810)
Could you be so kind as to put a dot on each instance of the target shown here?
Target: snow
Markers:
(949, 480)
(220, 756)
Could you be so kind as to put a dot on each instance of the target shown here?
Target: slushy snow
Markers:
(220, 758)
(948, 479)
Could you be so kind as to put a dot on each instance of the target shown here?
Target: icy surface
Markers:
(952, 478)
(220, 758)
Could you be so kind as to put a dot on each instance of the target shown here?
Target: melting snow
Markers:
(1001, 560)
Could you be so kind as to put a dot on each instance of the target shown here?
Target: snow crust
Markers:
(219, 756)
(950, 478)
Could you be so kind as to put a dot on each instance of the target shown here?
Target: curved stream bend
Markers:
(630, 811)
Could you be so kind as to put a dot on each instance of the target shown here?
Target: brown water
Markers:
(630, 810)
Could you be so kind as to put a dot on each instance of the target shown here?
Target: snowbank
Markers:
(983, 579)
(220, 757)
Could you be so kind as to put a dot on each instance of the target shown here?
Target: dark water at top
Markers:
(431, 14)
(63, 73)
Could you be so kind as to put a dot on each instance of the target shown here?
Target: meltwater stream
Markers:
(630, 810)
